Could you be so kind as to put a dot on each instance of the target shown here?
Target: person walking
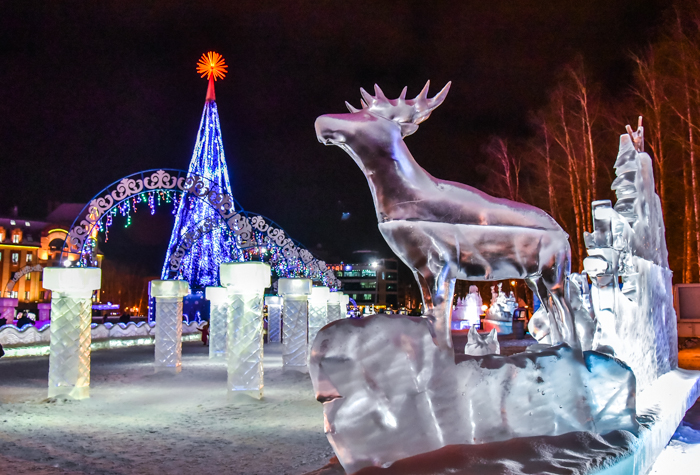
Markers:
(205, 332)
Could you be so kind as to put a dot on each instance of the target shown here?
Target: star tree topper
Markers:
(212, 66)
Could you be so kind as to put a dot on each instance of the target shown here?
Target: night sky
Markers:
(93, 91)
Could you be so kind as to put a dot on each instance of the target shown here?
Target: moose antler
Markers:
(402, 110)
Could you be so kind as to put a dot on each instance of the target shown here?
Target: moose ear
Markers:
(408, 128)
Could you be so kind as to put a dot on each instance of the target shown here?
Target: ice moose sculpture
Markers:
(391, 386)
(444, 230)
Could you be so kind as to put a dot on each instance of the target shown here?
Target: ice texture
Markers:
(71, 315)
(638, 322)
(218, 322)
(274, 319)
(389, 392)
(168, 295)
(444, 230)
(294, 351)
(295, 316)
(245, 344)
(318, 312)
(478, 345)
(69, 357)
(168, 351)
(245, 284)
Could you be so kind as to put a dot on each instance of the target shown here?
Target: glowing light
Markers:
(484, 307)
(374, 264)
(212, 64)
(512, 282)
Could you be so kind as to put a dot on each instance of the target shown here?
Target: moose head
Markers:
(394, 118)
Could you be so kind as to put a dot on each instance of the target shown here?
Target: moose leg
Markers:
(568, 329)
(537, 285)
(425, 292)
(442, 289)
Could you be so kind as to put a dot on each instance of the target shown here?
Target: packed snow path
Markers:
(140, 422)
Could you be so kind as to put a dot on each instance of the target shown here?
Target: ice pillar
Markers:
(318, 312)
(274, 319)
(245, 284)
(218, 322)
(337, 306)
(7, 309)
(168, 295)
(71, 315)
(295, 314)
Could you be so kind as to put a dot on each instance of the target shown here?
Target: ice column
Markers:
(245, 283)
(295, 294)
(168, 295)
(318, 312)
(71, 315)
(337, 306)
(218, 321)
(274, 319)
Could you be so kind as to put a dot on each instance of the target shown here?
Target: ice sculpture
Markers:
(478, 345)
(390, 386)
(295, 315)
(333, 306)
(318, 311)
(467, 311)
(274, 319)
(168, 295)
(71, 316)
(389, 392)
(245, 284)
(502, 307)
(443, 230)
(218, 322)
(638, 322)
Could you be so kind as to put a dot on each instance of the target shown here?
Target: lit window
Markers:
(30, 256)
(28, 277)
(15, 258)
(27, 223)
(15, 238)
(366, 296)
(26, 296)
(2, 237)
(13, 294)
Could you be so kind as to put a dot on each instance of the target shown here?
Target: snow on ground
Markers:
(140, 422)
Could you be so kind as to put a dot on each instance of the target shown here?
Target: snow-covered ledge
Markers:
(660, 409)
(32, 341)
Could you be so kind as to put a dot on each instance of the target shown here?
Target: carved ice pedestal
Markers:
(274, 319)
(295, 294)
(245, 284)
(168, 295)
(71, 311)
(218, 321)
(318, 312)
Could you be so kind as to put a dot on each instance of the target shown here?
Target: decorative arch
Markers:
(250, 230)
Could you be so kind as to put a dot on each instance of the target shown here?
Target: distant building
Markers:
(370, 283)
(26, 247)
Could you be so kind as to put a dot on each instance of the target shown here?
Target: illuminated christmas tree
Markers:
(200, 267)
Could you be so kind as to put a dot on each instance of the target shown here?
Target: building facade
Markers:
(26, 247)
(372, 283)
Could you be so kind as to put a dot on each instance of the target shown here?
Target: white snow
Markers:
(140, 422)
